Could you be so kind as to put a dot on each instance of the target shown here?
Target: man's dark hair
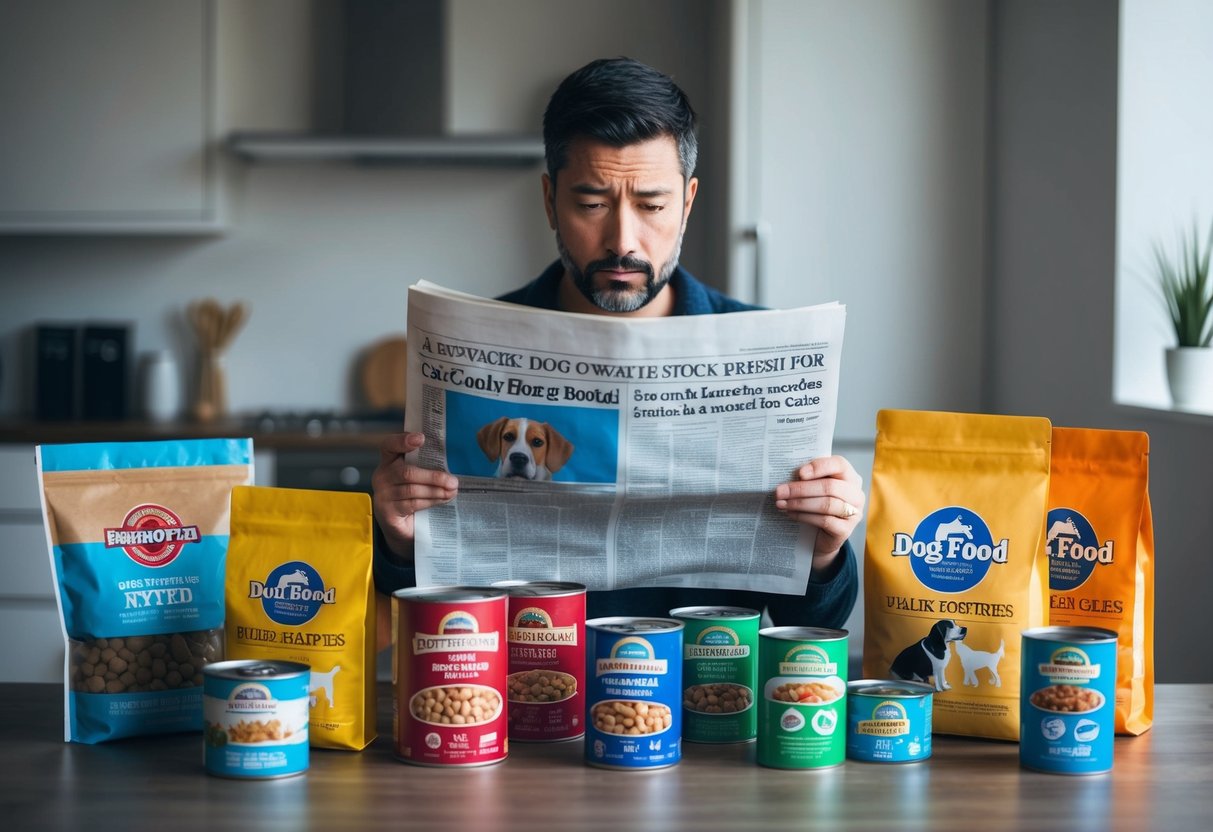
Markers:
(618, 101)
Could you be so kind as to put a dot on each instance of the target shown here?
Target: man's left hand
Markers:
(826, 493)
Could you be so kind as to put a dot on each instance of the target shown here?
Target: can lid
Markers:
(803, 633)
(447, 594)
(540, 588)
(737, 613)
(889, 687)
(1082, 634)
(255, 669)
(633, 624)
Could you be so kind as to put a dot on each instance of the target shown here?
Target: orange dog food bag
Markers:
(1100, 547)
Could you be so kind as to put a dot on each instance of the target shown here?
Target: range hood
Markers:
(394, 99)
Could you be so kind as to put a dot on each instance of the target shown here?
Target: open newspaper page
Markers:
(617, 452)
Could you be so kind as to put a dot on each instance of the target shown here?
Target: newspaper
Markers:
(663, 440)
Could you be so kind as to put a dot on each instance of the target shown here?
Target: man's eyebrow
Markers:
(598, 190)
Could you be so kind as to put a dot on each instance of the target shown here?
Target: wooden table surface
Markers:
(1162, 781)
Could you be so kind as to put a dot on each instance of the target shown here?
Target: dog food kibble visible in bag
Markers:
(138, 534)
(299, 589)
(1100, 545)
(954, 569)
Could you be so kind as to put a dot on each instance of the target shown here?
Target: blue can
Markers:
(255, 718)
(1067, 710)
(633, 692)
(889, 721)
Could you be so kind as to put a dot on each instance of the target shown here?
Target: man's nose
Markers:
(622, 233)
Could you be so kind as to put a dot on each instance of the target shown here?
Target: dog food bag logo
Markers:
(632, 655)
(807, 660)
(457, 630)
(1069, 665)
(951, 550)
(533, 625)
(716, 642)
(1074, 549)
(889, 719)
(151, 535)
(292, 594)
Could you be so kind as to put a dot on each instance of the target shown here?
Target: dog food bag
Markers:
(299, 589)
(137, 534)
(1100, 546)
(954, 569)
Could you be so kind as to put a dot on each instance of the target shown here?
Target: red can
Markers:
(547, 660)
(449, 675)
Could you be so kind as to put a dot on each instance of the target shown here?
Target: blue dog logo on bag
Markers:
(951, 550)
(1074, 549)
(293, 593)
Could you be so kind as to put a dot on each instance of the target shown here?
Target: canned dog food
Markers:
(546, 660)
(889, 721)
(254, 718)
(719, 673)
(802, 712)
(633, 692)
(1067, 710)
(449, 675)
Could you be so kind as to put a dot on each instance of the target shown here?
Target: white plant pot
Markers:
(1190, 375)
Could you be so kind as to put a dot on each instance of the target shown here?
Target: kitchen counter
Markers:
(1160, 781)
(366, 435)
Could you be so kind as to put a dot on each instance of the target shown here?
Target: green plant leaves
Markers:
(1187, 288)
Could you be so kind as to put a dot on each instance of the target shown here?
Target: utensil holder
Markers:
(211, 401)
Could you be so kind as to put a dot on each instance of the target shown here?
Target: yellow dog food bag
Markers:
(954, 568)
(1100, 547)
(300, 589)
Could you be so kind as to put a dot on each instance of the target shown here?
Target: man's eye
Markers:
(653, 208)
(591, 206)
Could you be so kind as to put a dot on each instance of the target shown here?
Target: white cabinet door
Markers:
(859, 149)
(107, 119)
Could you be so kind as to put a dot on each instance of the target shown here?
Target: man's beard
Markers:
(618, 296)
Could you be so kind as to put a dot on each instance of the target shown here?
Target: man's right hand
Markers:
(401, 490)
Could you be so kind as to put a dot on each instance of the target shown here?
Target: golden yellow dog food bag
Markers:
(954, 569)
(299, 589)
(1100, 547)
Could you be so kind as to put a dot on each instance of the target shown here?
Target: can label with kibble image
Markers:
(1067, 710)
(255, 718)
(449, 675)
(546, 660)
(719, 673)
(802, 712)
(633, 692)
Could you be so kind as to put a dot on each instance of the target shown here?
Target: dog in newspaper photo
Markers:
(524, 448)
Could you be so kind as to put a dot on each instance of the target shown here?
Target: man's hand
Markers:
(402, 489)
(826, 493)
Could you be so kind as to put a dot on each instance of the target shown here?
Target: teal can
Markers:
(719, 673)
(255, 718)
(889, 721)
(802, 713)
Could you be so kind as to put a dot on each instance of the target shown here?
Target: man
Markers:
(620, 147)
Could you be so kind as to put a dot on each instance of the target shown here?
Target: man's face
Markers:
(619, 214)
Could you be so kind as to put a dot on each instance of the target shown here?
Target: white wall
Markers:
(1165, 173)
(1053, 235)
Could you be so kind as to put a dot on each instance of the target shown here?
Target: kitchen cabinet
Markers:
(108, 117)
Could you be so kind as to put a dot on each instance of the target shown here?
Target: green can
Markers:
(719, 673)
(802, 713)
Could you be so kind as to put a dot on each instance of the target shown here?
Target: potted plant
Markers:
(1187, 291)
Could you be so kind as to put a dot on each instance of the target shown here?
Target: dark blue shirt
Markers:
(826, 603)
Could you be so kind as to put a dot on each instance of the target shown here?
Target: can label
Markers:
(803, 708)
(889, 721)
(255, 718)
(546, 661)
(719, 673)
(449, 675)
(633, 686)
(1068, 699)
